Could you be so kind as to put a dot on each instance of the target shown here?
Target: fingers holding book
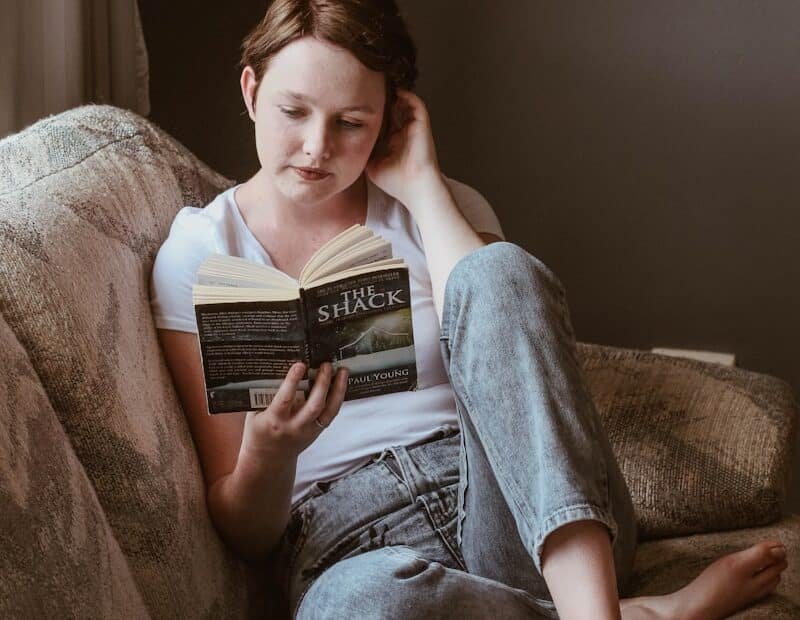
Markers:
(285, 427)
(271, 433)
(325, 397)
(285, 403)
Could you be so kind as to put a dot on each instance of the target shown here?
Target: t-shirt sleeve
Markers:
(190, 241)
(475, 208)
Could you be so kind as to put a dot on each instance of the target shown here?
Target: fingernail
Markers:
(777, 552)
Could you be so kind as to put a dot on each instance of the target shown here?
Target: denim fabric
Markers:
(453, 526)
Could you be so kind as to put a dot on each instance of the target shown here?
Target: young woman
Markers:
(492, 489)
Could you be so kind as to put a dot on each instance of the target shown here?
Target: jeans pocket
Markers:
(317, 488)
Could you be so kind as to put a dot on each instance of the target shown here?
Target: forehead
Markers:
(324, 73)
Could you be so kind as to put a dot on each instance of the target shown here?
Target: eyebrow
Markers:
(352, 108)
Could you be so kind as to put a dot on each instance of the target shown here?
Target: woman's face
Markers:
(318, 107)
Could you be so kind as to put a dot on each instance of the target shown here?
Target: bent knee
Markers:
(378, 583)
(503, 264)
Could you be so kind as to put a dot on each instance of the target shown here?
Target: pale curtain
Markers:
(58, 54)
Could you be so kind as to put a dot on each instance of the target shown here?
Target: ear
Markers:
(249, 86)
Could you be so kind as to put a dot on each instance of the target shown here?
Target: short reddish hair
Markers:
(372, 30)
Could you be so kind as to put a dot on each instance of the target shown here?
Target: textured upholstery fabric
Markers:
(85, 199)
(58, 551)
(102, 507)
(703, 447)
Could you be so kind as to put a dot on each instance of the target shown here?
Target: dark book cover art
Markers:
(364, 323)
(246, 349)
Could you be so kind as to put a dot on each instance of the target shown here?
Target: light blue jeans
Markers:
(453, 527)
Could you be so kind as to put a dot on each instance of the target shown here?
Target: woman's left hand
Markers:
(411, 159)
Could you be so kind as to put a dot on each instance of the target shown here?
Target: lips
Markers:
(311, 174)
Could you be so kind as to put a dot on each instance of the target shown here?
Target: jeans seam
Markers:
(464, 396)
(399, 478)
(302, 598)
(461, 500)
(441, 532)
(296, 547)
(525, 510)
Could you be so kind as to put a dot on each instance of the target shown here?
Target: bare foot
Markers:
(728, 584)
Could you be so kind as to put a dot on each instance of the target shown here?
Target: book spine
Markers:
(307, 346)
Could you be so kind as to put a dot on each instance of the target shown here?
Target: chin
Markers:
(304, 194)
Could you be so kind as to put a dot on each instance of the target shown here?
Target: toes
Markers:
(769, 574)
(760, 556)
(775, 555)
(778, 553)
(768, 587)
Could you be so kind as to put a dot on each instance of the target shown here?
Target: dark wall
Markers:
(648, 152)
(193, 49)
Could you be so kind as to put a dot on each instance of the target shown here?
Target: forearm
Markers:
(250, 507)
(446, 234)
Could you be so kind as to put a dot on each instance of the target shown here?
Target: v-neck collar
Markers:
(374, 201)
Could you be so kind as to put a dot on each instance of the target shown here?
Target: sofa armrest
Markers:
(703, 447)
(66, 143)
(86, 199)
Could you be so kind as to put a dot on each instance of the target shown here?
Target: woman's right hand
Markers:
(285, 428)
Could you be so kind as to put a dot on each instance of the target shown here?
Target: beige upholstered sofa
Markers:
(102, 508)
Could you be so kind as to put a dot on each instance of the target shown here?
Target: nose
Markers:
(316, 142)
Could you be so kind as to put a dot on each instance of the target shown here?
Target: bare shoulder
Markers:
(217, 438)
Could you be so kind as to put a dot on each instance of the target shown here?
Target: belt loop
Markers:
(411, 473)
(381, 455)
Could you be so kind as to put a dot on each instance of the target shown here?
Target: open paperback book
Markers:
(351, 306)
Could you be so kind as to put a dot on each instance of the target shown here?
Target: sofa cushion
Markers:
(703, 447)
(86, 197)
(60, 557)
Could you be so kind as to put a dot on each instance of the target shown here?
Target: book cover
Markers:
(350, 305)
(364, 323)
(246, 350)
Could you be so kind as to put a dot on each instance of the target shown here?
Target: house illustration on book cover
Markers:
(376, 338)
(378, 349)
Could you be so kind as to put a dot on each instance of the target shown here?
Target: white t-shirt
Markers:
(366, 426)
